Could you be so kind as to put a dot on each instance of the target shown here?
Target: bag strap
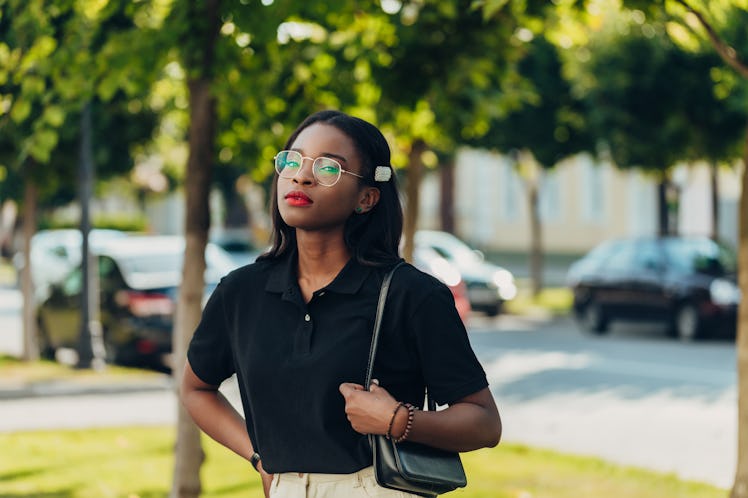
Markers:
(383, 291)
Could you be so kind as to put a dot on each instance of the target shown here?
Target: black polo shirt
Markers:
(290, 356)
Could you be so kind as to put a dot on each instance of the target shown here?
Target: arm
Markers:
(213, 413)
(470, 423)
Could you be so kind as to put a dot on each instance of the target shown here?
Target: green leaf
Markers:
(54, 115)
(491, 7)
(20, 110)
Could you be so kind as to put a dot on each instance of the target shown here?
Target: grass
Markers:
(551, 300)
(14, 371)
(137, 463)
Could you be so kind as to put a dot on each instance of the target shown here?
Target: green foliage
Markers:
(550, 122)
(652, 103)
(53, 59)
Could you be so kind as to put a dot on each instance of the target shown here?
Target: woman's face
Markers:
(306, 205)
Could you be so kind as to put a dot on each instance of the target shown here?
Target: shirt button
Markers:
(307, 317)
(322, 293)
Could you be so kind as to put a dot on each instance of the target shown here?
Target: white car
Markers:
(488, 285)
(55, 253)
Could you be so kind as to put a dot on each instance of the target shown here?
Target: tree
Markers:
(640, 118)
(704, 20)
(50, 67)
(548, 127)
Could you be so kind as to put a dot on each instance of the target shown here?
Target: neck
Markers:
(320, 257)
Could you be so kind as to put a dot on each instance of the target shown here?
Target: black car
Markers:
(139, 278)
(688, 283)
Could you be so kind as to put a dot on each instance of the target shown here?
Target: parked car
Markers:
(488, 285)
(238, 245)
(687, 283)
(429, 261)
(54, 254)
(139, 279)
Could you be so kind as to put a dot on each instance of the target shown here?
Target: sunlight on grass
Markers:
(137, 463)
(13, 370)
(552, 300)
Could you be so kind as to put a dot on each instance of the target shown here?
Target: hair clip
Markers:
(382, 174)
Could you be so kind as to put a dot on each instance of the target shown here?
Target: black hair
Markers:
(373, 237)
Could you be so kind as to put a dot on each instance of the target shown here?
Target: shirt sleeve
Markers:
(209, 351)
(448, 363)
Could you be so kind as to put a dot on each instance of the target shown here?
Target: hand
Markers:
(267, 479)
(369, 412)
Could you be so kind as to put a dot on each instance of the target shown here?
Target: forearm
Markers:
(461, 427)
(213, 413)
(472, 422)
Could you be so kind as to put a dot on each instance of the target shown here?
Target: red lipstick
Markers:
(298, 198)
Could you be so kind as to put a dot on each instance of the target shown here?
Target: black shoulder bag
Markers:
(407, 466)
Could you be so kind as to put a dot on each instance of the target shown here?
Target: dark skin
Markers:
(318, 214)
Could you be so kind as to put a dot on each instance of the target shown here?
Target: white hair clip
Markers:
(382, 174)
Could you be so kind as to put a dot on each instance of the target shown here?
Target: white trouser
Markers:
(361, 484)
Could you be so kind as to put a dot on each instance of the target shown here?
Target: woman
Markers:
(295, 327)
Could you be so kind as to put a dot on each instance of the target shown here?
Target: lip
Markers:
(298, 198)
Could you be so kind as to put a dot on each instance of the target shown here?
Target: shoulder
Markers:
(415, 285)
(252, 276)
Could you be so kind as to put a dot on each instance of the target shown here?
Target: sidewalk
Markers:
(105, 384)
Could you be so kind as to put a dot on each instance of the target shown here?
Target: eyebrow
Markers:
(324, 154)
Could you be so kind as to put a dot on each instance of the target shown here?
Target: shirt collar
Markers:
(283, 276)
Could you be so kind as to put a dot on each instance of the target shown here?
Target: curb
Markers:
(63, 388)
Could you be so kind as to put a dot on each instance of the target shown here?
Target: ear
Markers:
(368, 198)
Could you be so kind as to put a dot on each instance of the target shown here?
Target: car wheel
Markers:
(687, 323)
(593, 319)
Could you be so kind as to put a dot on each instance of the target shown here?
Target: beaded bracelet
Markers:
(408, 426)
(388, 434)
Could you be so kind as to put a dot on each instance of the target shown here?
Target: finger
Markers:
(375, 381)
(347, 388)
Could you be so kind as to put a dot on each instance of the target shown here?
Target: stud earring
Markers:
(359, 210)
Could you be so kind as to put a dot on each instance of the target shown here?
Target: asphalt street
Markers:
(633, 397)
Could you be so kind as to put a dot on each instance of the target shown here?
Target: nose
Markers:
(305, 176)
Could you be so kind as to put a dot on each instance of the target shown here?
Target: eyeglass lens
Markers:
(326, 171)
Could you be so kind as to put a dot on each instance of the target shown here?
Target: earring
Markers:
(359, 210)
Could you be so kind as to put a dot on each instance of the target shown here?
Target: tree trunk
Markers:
(740, 487)
(447, 201)
(237, 214)
(30, 197)
(714, 170)
(412, 193)
(536, 238)
(663, 227)
(189, 454)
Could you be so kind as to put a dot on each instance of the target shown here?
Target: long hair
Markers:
(373, 238)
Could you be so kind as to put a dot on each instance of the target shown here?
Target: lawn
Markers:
(137, 463)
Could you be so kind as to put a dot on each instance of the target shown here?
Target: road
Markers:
(633, 397)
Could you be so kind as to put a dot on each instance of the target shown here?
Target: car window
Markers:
(699, 255)
(648, 256)
(622, 256)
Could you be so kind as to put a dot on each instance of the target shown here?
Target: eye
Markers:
(329, 168)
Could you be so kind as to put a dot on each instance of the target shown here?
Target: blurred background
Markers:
(570, 169)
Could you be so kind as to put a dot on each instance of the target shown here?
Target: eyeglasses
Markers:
(327, 171)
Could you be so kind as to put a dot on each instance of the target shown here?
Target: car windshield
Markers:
(141, 268)
(700, 255)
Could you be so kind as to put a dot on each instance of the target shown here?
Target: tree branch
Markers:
(728, 54)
